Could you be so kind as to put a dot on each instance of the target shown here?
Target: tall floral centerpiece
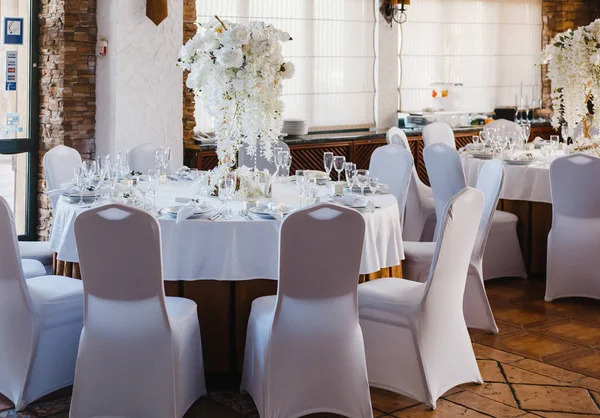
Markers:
(237, 70)
(573, 59)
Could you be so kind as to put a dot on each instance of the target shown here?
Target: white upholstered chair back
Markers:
(506, 126)
(393, 165)
(437, 132)
(397, 136)
(59, 168)
(142, 157)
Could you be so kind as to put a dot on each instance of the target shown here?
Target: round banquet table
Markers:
(527, 194)
(225, 264)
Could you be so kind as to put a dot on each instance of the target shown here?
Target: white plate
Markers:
(482, 156)
(75, 197)
(174, 210)
(519, 162)
(261, 211)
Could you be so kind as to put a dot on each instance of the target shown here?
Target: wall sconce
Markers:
(394, 10)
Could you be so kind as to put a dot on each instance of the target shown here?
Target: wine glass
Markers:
(512, 142)
(227, 185)
(338, 164)
(144, 186)
(328, 163)
(502, 142)
(286, 162)
(564, 131)
(350, 174)
(277, 154)
(154, 181)
(554, 140)
(311, 190)
(362, 179)
(80, 182)
(526, 131)
(374, 187)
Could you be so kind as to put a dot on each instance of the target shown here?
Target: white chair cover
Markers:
(36, 250)
(392, 165)
(505, 125)
(503, 257)
(416, 340)
(40, 324)
(59, 165)
(416, 266)
(419, 215)
(261, 162)
(32, 268)
(142, 157)
(140, 353)
(574, 240)
(437, 132)
(304, 347)
(397, 136)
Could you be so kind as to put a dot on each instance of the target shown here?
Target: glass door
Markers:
(19, 111)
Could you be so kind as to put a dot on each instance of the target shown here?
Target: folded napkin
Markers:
(188, 210)
(539, 140)
(351, 201)
(274, 209)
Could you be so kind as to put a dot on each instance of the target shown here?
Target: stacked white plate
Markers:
(294, 127)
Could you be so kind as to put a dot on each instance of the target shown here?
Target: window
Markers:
(491, 46)
(333, 51)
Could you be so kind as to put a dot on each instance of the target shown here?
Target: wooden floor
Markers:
(545, 362)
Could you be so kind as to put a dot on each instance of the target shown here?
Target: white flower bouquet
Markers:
(237, 70)
(573, 59)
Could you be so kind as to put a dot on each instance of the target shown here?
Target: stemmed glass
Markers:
(526, 131)
(512, 142)
(554, 140)
(338, 164)
(362, 179)
(328, 163)
(350, 174)
(310, 189)
(80, 181)
(277, 154)
(143, 185)
(502, 142)
(227, 185)
(373, 188)
(286, 162)
(154, 181)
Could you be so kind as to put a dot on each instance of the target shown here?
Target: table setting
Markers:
(223, 224)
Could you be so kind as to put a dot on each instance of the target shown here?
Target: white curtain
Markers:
(491, 46)
(333, 51)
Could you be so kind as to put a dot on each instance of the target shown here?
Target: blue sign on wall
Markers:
(13, 31)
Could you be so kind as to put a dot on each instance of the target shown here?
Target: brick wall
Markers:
(560, 15)
(189, 29)
(67, 65)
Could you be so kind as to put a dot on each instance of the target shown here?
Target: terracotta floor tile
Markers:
(518, 375)
(562, 415)
(490, 371)
(388, 402)
(535, 346)
(518, 316)
(485, 405)
(5, 403)
(587, 364)
(444, 409)
(499, 392)
(572, 330)
(548, 370)
(588, 383)
(555, 399)
(484, 352)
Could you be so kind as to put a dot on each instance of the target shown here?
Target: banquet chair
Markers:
(40, 324)
(419, 214)
(142, 157)
(416, 340)
(506, 125)
(261, 162)
(574, 240)
(437, 132)
(392, 165)
(140, 353)
(59, 165)
(502, 256)
(419, 255)
(397, 136)
(304, 348)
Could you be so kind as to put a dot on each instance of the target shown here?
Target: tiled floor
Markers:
(545, 362)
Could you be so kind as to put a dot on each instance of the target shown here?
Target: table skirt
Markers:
(223, 311)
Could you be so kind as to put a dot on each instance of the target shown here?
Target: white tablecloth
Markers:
(527, 183)
(238, 249)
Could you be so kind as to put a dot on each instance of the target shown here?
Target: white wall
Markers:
(139, 88)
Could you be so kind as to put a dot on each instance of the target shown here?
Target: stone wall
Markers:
(189, 29)
(67, 66)
(560, 15)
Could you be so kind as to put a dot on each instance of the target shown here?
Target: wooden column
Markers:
(157, 10)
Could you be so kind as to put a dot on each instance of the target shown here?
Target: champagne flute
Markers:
(350, 174)
(154, 181)
(338, 163)
(80, 182)
(277, 153)
(328, 163)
